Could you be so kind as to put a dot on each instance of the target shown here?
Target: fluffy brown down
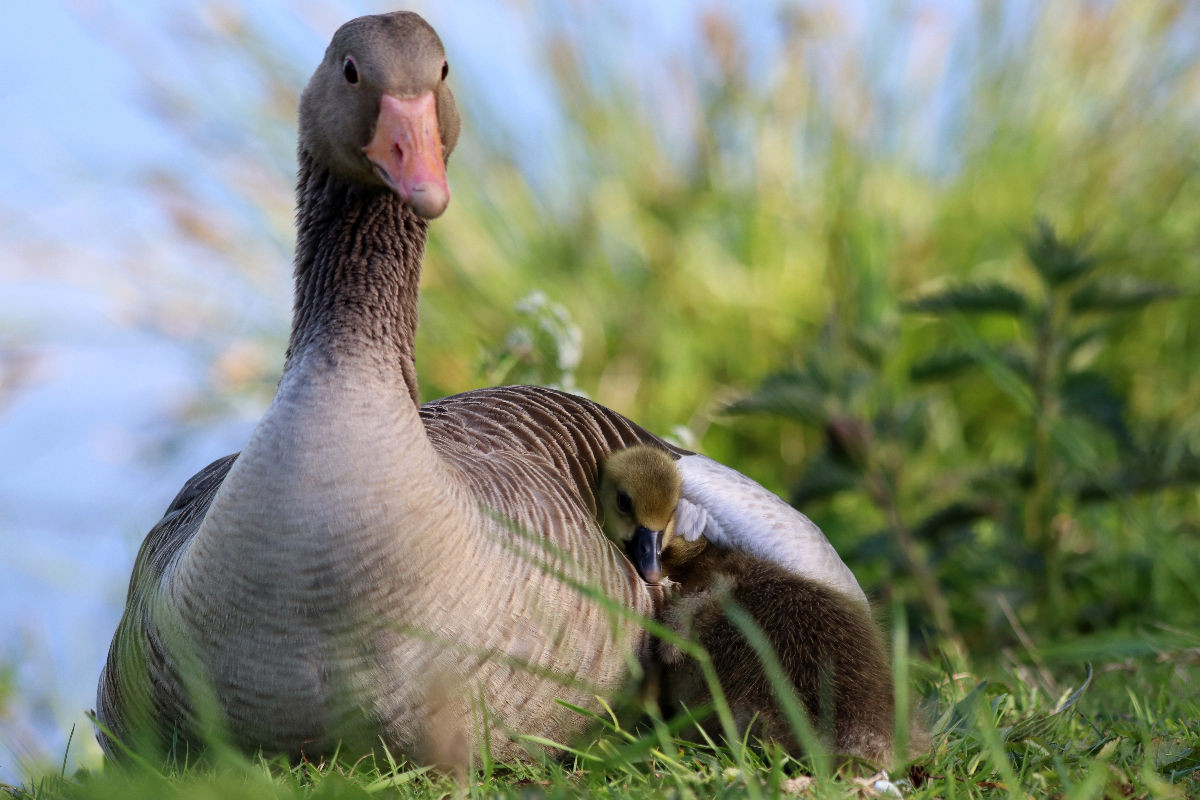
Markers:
(828, 645)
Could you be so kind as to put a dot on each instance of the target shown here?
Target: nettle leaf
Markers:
(1018, 361)
(1091, 395)
(947, 364)
(907, 422)
(956, 515)
(1088, 337)
(997, 480)
(1120, 293)
(877, 547)
(1058, 262)
(1148, 470)
(823, 479)
(871, 345)
(942, 365)
(791, 399)
(973, 298)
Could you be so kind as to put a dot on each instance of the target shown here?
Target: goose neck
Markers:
(357, 274)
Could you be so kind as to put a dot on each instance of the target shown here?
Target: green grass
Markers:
(1024, 731)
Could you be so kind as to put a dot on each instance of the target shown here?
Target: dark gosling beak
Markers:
(644, 550)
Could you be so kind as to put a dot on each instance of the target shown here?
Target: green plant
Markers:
(1080, 444)
(870, 436)
(1030, 355)
(543, 347)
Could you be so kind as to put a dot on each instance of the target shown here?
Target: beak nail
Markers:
(644, 550)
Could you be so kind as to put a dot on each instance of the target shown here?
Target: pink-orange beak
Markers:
(406, 152)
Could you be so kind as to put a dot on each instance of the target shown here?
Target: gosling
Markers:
(827, 643)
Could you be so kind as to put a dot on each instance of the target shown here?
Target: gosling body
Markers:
(826, 640)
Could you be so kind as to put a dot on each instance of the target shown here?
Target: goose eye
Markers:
(624, 504)
(445, 69)
(350, 70)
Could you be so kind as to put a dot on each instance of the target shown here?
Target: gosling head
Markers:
(639, 489)
(378, 112)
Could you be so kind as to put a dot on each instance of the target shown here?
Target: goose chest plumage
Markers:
(366, 571)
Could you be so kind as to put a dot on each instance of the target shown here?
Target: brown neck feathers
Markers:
(357, 272)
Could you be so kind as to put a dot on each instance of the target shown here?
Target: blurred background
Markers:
(927, 269)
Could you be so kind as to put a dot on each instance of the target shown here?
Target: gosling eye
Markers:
(445, 69)
(350, 70)
(624, 504)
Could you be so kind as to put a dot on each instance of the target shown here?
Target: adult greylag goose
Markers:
(828, 645)
(365, 572)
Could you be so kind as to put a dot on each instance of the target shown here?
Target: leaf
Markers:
(1172, 755)
(947, 364)
(1106, 646)
(973, 298)
(1089, 336)
(1090, 395)
(822, 480)
(1018, 362)
(1035, 726)
(907, 422)
(1039, 725)
(961, 712)
(1011, 369)
(1149, 471)
(396, 779)
(941, 365)
(787, 399)
(1120, 293)
(871, 345)
(849, 441)
(955, 515)
(1070, 700)
(1058, 262)
(553, 745)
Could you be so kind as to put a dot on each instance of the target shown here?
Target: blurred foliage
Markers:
(544, 347)
(953, 520)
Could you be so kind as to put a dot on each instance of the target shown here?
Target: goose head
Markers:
(639, 489)
(378, 113)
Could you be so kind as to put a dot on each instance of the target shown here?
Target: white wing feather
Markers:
(732, 511)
